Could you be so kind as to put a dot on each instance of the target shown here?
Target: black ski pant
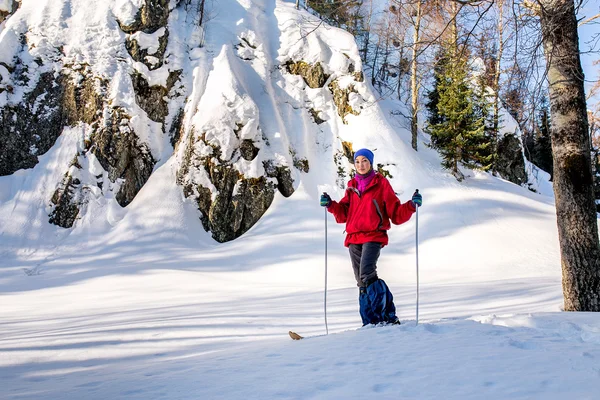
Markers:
(364, 262)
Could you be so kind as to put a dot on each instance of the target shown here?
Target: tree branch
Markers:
(587, 21)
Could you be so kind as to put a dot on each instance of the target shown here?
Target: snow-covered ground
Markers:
(149, 315)
(140, 303)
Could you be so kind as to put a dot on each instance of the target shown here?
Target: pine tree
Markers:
(483, 149)
(433, 96)
(542, 148)
(456, 127)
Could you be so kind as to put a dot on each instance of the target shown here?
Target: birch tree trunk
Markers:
(414, 83)
(496, 116)
(573, 180)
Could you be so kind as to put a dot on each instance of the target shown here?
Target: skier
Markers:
(367, 208)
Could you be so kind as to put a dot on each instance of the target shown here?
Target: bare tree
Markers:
(496, 83)
(368, 17)
(414, 84)
(419, 17)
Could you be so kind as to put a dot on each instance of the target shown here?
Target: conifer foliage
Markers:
(542, 149)
(457, 117)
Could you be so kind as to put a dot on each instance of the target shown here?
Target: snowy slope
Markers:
(140, 303)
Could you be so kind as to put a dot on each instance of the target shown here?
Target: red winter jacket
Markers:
(367, 215)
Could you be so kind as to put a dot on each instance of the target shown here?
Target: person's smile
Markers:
(362, 165)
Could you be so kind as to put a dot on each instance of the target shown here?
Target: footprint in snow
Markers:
(522, 345)
(381, 387)
(437, 329)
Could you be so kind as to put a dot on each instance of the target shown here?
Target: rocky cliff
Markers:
(140, 84)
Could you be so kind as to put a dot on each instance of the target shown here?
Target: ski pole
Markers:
(417, 259)
(325, 298)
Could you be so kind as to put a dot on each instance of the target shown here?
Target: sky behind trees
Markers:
(589, 40)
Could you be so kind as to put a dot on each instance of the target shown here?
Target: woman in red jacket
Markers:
(367, 208)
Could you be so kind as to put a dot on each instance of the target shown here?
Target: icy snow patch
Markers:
(5, 5)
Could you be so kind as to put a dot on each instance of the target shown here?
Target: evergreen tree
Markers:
(483, 148)
(456, 127)
(433, 96)
(542, 148)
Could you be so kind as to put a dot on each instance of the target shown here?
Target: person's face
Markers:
(362, 165)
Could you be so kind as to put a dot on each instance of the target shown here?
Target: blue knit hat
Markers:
(366, 153)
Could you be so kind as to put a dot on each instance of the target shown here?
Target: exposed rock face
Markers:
(31, 127)
(152, 61)
(247, 150)
(152, 98)
(510, 164)
(230, 215)
(299, 163)
(176, 128)
(227, 164)
(344, 160)
(348, 152)
(238, 202)
(341, 98)
(14, 4)
(118, 150)
(285, 183)
(71, 94)
(315, 114)
(152, 16)
(313, 75)
(102, 109)
(83, 96)
(67, 200)
(116, 147)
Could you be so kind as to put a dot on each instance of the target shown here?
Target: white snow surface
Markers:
(141, 303)
(6, 5)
